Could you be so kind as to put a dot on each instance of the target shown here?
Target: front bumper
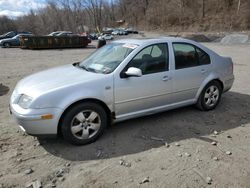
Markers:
(31, 122)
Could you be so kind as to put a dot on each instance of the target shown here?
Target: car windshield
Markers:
(107, 58)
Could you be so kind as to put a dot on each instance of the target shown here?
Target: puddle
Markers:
(3, 89)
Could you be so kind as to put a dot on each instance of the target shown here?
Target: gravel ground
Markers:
(178, 148)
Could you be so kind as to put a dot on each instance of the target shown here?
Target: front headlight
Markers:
(25, 101)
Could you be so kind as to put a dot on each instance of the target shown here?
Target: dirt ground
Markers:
(132, 153)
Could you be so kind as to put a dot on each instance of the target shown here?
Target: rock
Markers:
(54, 180)
(67, 164)
(124, 163)
(34, 184)
(37, 144)
(18, 153)
(228, 152)
(215, 158)
(179, 155)
(214, 143)
(156, 138)
(209, 180)
(235, 39)
(121, 162)
(61, 178)
(228, 136)
(19, 160)
(28, 171)
(145, 180)
(187, 154)
(177, 144)
(216, 133)
(59, 173)
(167, 145)
(50, 185)
(115, 182)
(127, 164)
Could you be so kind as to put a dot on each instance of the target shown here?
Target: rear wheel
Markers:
(210, 96)
(84, 123)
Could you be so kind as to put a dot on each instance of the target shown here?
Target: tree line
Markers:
(171, 15)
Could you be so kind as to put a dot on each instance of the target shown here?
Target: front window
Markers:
(152, 59)
(106, 59)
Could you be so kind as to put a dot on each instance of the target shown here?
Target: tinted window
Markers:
(187, 55)
(151, 59)
(204, 58)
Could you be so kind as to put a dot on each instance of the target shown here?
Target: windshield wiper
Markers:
(83, 67)
(77, 64)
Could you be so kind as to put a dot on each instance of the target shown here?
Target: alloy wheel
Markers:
(212, 95)
(85, 124)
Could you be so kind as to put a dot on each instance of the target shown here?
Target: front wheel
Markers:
(6, 45)
(84, 123)
(210, 96)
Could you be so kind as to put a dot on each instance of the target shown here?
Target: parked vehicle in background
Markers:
(122, 80)
(66, 34)
(93, 36)
(131, 30)
(106, 37)
(11, 34)
(119, 32)
(115, 32)
(54, 33)
(12, 42)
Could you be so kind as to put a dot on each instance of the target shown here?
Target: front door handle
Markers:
(203, 71)
(166, 78)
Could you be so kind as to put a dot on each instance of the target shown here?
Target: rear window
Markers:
(188, 55)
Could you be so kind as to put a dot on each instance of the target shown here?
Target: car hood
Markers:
(54, 79)
(7, 40)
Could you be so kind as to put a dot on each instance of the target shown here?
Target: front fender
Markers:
(64, 97)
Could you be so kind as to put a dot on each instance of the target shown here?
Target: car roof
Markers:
(145, 41)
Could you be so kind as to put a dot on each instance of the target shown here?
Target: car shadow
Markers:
(141, 134)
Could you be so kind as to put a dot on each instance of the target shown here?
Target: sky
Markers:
(14, 8)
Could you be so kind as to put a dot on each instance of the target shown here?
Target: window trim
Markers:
(196, 54)
(122, 73)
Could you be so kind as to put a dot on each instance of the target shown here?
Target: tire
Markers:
(84, 123)
(6, 45)
(210, 96)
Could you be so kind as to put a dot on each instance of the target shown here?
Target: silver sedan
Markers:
(122, 80)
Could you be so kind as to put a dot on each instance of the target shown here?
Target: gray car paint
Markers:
(54, 90)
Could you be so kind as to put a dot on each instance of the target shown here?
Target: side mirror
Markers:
(133, 72)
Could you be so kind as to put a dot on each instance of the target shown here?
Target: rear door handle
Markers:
(166, 78)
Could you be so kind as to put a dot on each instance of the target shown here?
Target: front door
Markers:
(135, 95)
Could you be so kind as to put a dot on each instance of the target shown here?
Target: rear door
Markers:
(192, 66)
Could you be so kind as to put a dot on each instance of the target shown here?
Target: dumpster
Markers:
(52, 42)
